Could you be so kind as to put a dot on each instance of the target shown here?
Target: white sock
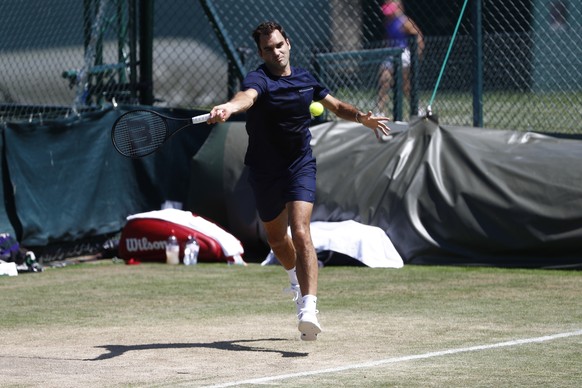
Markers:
(310, 302)
(292, 276)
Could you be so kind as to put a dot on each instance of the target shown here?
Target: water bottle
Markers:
(188, 251)
(191, 250)
(172, 250)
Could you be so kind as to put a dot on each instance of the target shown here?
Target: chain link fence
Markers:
(60, 57)
(514, 64)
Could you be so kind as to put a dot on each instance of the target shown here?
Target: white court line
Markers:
(394, 360)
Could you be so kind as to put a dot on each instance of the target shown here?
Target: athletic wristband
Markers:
(358, 118)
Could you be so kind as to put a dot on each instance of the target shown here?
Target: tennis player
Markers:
(276, 97)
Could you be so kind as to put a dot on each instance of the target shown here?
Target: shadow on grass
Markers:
(235, 345)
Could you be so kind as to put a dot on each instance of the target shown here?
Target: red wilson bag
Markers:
(144, 237)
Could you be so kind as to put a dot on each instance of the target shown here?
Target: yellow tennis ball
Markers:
(316, 109)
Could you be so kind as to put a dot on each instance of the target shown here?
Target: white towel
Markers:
(8, 268)
(368, 244)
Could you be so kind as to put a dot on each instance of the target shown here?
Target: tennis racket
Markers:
(139, 133)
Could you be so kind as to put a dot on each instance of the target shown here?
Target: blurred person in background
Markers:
(398, 29)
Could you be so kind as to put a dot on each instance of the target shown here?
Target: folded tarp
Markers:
(457, 195)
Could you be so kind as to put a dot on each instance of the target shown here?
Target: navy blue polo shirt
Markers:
(278, 122)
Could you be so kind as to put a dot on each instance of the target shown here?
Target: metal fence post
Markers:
(146, 52)
(133, 50)
(414, 71)
(477, 21)
(398, 87)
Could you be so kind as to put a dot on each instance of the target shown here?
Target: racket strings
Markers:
(139, 133)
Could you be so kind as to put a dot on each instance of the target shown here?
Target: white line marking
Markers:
(394, 360)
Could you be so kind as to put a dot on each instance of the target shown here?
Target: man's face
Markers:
(274, 50)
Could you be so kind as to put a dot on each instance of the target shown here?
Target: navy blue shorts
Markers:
(273, 192)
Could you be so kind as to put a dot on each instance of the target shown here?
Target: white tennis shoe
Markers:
(309, 325)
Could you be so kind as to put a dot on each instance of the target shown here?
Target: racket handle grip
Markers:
(201, 118)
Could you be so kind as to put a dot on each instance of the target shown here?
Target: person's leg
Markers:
(284, 250)
(406, 81)
(385, 84)
(306, 258)
(279, 241)
(307, 268)
(293, 251)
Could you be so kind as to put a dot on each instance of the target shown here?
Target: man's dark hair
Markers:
(266, 29)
